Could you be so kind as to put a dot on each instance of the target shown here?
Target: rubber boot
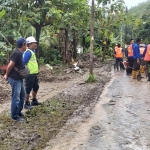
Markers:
(134, 74)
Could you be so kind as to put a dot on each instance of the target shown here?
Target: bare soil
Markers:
(64, 92)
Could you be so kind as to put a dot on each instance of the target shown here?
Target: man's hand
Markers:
(138, 61)
(8, 70)
(5, 77)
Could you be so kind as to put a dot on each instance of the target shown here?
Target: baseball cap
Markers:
(30, 39)
(20, 42)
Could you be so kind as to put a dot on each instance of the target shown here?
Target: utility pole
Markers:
(92, 38)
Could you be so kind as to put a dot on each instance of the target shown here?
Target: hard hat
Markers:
(30, 39)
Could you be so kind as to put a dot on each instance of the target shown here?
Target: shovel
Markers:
(139, 76)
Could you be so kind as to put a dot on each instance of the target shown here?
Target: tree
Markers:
(108, 20)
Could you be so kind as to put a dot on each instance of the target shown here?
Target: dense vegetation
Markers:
(140, 26)
(61, 26)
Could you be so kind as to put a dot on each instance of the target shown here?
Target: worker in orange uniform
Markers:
(115, 57)
(129, 55)
(146, 56)
(142, 48)
(142, 66)
(119, 52)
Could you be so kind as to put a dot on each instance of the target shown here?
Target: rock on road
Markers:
(119, 121)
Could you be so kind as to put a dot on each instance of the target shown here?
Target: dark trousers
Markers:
(130, 65)
(119, 62)
(148, 69)
(136, 66)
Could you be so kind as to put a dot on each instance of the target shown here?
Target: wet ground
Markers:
(66, 97)
(120, 119)
(80, 116)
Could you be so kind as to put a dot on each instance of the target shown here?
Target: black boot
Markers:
(35, 102)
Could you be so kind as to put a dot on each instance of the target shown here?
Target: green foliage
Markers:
(140, 9)
(144, 32)
(141, 23)
(40, 61)
(2, 58)
(98, 52)
(86, 50)
(2, 13)
(44, 18)
(52, 57)
(4, 53)
(91, 78)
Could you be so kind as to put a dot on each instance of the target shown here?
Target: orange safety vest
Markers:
(119, 53)
(147, 54)
(142, 50)
(130, 51)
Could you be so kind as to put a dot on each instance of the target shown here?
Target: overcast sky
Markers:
(131, 3)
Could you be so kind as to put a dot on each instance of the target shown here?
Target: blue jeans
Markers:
(18, 97)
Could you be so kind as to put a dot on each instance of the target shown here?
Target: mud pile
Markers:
(5, 90)
(67, 72)
(45, 75)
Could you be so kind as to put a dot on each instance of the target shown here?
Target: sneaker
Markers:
(27, 105)
(20, 119)
(21, 114)
(35, 102)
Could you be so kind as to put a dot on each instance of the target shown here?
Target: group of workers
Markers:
(138, 58)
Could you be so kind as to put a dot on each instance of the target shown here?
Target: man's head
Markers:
(138, 40)
(119, 45)
(21, 44)
(31, 43)
(131, 41)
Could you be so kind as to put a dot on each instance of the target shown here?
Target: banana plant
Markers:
(2, 13)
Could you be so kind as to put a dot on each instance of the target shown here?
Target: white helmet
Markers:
(30, 39)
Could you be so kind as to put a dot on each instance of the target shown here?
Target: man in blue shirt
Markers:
(31, 81)
(136, 58)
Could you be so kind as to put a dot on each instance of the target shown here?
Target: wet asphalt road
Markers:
(119, 121)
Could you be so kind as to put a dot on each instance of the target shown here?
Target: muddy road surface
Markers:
(119, 121)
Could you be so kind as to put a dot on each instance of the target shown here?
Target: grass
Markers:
(91, 79)
(43, 123)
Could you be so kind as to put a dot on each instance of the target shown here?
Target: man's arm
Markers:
(144, 51)
(122, 53)
(126, 53)
(8, 70)
(26, 57)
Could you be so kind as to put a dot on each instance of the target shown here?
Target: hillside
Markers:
(140, 9)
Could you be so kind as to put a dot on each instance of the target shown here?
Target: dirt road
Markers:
(119, 121)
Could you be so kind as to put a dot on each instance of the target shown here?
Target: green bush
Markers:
(52, 57)
(41, 61)
(98, 52)
(91, 78)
